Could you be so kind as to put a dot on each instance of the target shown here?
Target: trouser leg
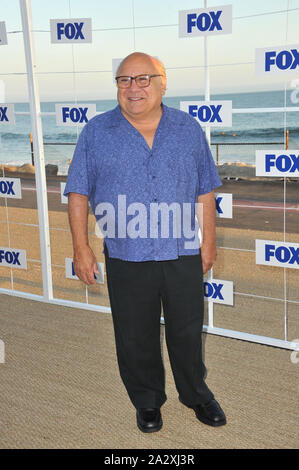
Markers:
(183, 306)
(136, 310)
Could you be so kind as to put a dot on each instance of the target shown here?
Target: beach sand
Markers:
(255, 315)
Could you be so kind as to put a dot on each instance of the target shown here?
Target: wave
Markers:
(14, 162)
(61, 137)
(55, 137)
(15, 136)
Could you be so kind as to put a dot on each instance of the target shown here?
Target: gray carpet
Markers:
(60, 388)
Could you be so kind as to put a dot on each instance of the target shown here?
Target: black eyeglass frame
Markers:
(149, 77)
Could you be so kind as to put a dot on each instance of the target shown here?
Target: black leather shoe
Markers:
(149, 419)
(211, 413)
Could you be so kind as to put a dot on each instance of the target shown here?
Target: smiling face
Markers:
(141, 103)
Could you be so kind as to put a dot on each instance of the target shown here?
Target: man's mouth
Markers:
(132, 98)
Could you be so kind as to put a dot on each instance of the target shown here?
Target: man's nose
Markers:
(134, 85)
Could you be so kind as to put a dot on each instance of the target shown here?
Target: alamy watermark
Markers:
(159, 220)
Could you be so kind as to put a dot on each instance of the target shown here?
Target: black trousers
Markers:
(136, 290)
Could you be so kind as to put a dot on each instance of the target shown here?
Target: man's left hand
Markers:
(208, 256)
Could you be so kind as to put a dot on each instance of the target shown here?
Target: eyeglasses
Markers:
(141, 80)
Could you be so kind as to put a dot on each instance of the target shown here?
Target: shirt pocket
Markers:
(184, 176)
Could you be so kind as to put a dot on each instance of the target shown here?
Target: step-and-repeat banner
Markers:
(248, 259)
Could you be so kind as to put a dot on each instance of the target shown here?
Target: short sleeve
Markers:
(208, 175)
(81, 174)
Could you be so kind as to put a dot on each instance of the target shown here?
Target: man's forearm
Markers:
(208, 226)
(85, 263)
(78, 219)
(208, 230)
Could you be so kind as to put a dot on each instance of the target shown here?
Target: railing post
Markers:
(37, 135)
(208, 136)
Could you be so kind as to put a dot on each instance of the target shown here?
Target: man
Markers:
(147, 154)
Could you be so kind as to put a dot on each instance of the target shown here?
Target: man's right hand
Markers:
(85, 264)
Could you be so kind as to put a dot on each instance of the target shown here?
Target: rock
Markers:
(26, 168)
(236, 170)
(51, 170)
(8, 168)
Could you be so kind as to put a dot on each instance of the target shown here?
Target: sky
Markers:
(123, 26)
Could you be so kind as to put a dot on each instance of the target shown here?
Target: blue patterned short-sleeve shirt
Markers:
(144, 199)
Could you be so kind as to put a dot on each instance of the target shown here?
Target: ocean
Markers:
(238, 143)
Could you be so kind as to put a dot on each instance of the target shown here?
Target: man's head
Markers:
(137, 102)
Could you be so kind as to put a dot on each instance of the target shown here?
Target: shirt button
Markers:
(153, 177)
